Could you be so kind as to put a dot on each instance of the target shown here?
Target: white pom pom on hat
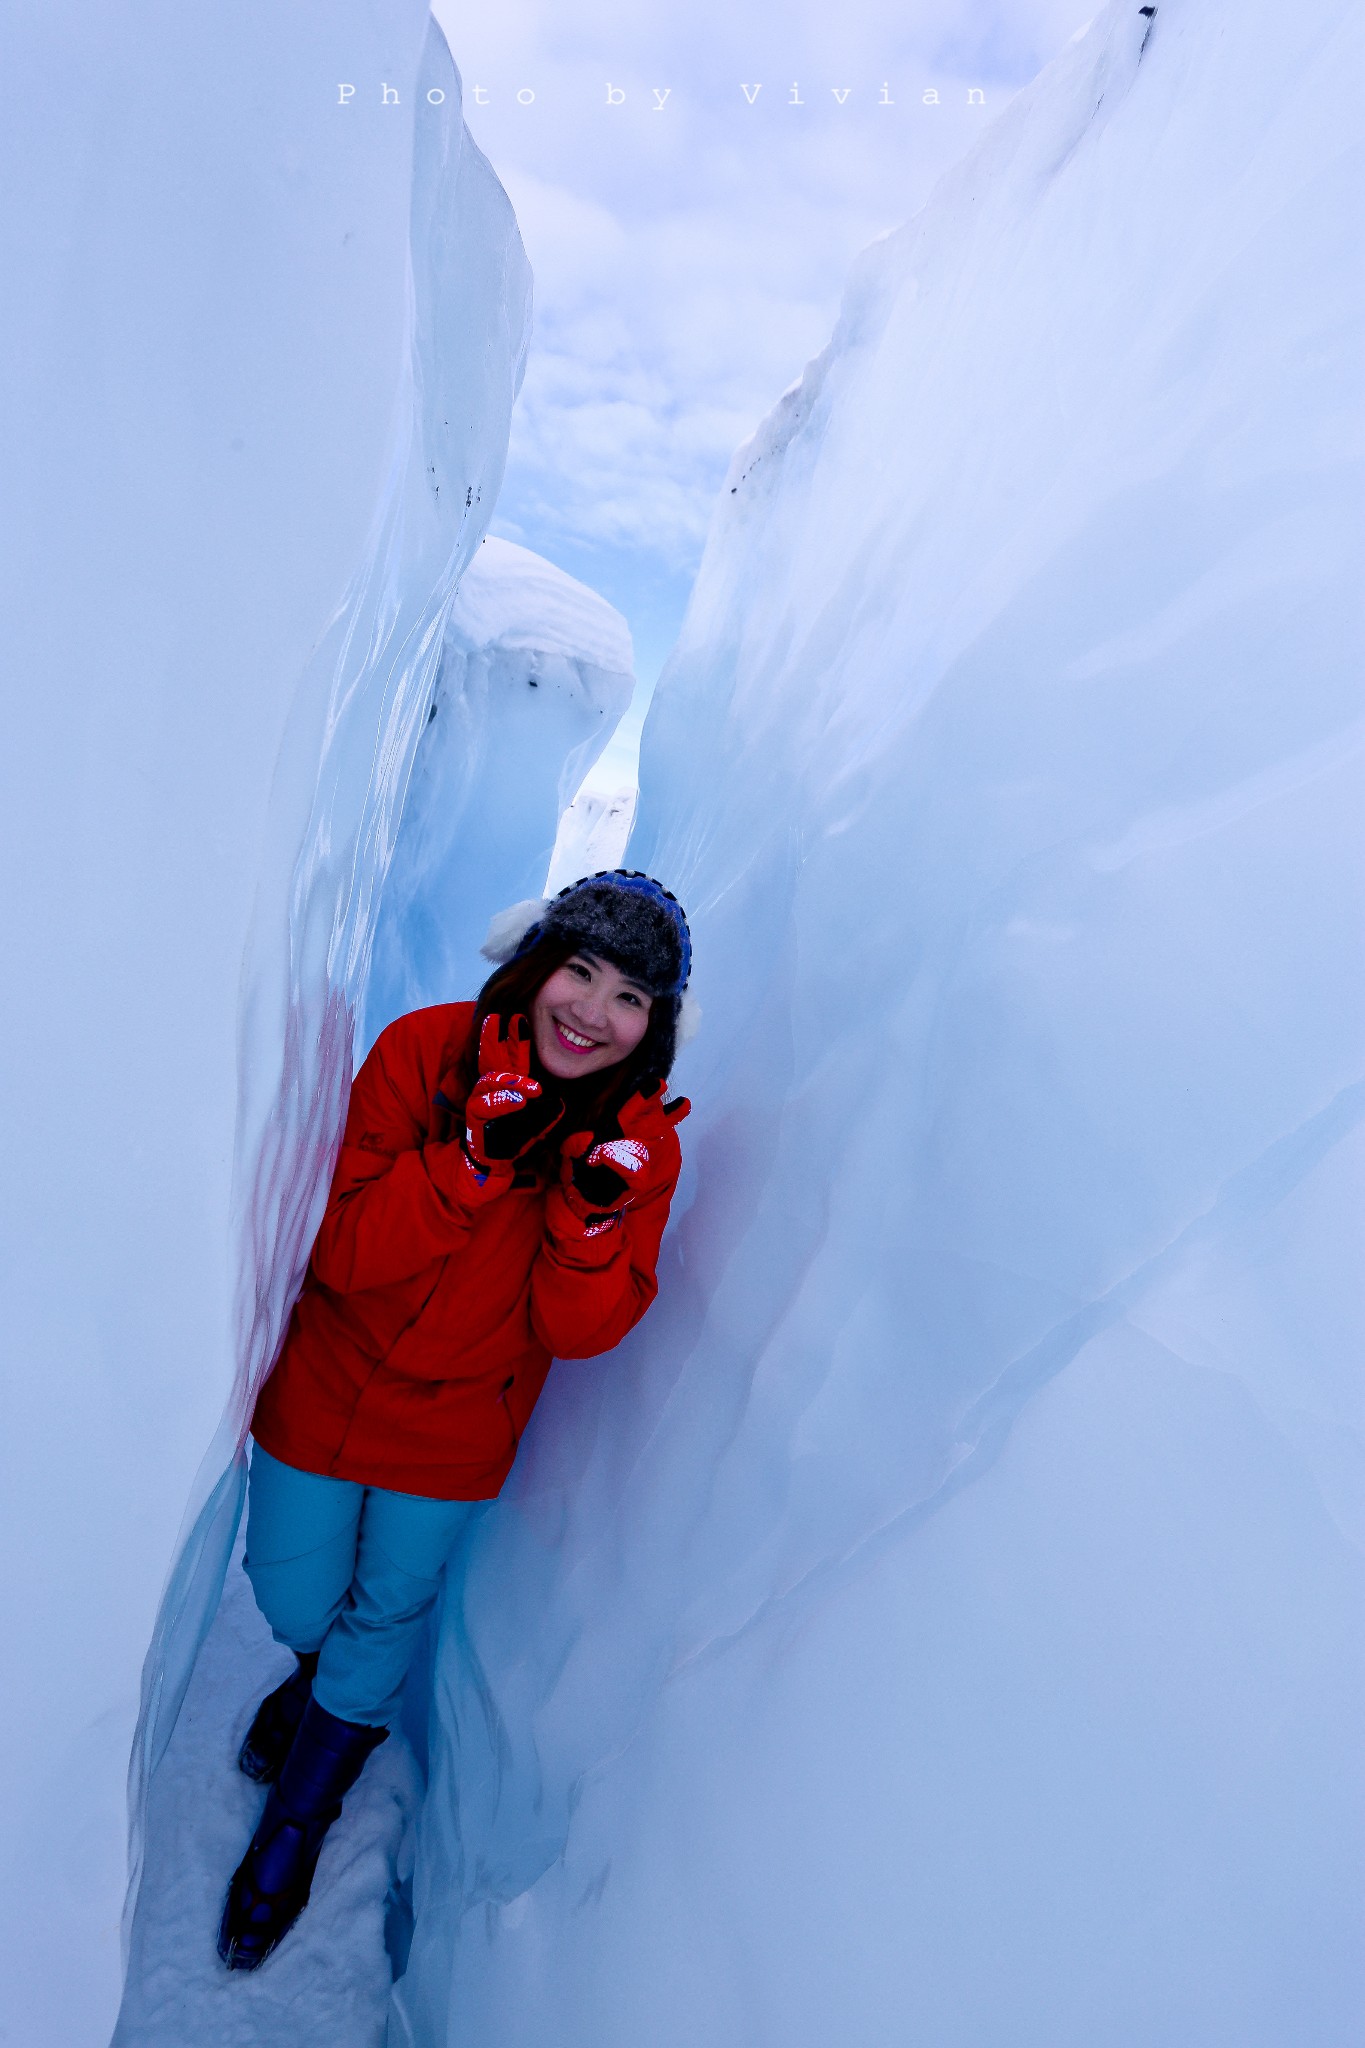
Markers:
(689, 1017)
(509, 927)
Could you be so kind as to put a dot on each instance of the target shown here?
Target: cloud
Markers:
(689, 261)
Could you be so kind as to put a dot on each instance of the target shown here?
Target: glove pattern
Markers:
(602, 1177)
(508, 1111)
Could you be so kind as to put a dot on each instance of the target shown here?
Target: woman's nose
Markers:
(591, 1012)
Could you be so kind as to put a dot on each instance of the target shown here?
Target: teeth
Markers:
(574, 1037)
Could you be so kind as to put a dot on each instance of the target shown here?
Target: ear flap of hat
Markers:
(689, 1017)
(510, 927)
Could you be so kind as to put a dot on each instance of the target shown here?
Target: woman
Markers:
(503, 1183)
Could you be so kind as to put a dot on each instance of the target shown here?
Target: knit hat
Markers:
(618, 915)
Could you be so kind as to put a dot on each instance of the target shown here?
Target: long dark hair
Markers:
(593, 1103)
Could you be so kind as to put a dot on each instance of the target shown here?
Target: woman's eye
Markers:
(575, 967)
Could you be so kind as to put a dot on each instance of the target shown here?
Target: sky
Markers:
(691, 190)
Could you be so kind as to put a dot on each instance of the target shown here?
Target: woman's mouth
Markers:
(574, 1041)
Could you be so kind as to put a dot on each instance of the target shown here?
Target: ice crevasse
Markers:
(532, 674)
(941, 1620)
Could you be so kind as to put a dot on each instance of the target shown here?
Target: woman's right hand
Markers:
(508, 1111)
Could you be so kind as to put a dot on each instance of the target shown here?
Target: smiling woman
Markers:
(587, 1016)
(503, 1184)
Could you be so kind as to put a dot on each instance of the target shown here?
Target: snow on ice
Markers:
(330, 1983)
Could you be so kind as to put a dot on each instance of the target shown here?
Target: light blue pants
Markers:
(349, 1571)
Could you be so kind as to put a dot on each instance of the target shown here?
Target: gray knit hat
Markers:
(618, 915)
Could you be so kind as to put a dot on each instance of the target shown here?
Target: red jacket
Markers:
(427, 1325)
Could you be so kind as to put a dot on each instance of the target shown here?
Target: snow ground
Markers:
(327, 1985)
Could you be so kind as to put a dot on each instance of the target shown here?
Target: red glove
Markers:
(507, 1111)
(601, 1177)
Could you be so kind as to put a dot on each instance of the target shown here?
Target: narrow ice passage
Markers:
(941, 1620)
(516, 621)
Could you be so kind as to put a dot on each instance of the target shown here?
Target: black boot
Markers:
(277, 1723)
(271, 1885)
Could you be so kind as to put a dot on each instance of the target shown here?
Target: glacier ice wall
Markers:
(346, 760)
(941, 1620)
(593, 834)
(247, 320)
(535, 673)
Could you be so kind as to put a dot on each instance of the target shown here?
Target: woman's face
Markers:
(587, 1016)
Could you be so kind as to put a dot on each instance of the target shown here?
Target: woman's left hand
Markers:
(601, 1177)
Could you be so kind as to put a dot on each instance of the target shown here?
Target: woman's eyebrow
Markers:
(592, 960)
